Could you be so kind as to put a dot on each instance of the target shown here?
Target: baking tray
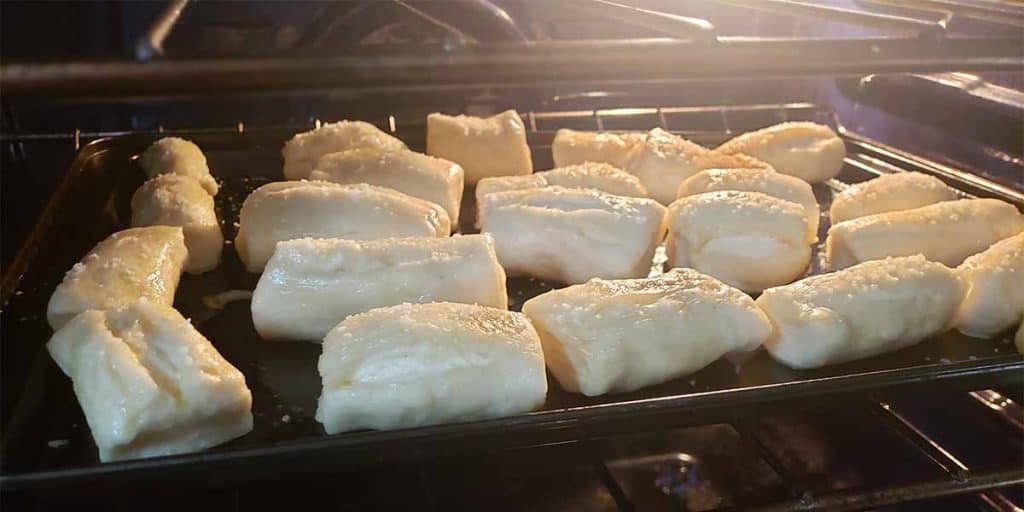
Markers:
(46, 441)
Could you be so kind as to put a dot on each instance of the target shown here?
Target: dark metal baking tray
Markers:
(46, 441)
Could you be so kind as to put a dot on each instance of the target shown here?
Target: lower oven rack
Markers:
(46, 441)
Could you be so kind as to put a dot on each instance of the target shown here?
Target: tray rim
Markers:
(577, 419)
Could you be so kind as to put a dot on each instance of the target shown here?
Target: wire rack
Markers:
(914, 39)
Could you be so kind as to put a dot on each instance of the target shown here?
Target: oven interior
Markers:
(948, 437)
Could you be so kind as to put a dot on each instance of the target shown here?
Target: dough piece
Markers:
(572, 147)
(484, 147)
(757, 180)
(748, 240)
(572, 235)
(889, 193)
(173, 155)
(431, 179)
(137, 263)
(422, 364)
(663, 160)
(994, 278)
(149, 383)
(311, 285)
(174, 200)
(288, 210)
(302, 152)
(613, 336)
(945, 232)
(809, 151)
(597, 176)
(868, 309)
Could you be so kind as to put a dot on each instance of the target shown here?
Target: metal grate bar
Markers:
(682, 27)
(398, 68)
(501, 18)
(933, 450)
(954, 467)
(790, 481)
(997, 12)
(904, 159)
(460, 36)
(999, 502)
(1006, 408)
(844, 501)
(151, 44)
(829, 13)
(960, 480)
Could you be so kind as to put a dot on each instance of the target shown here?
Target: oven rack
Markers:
(908, 37)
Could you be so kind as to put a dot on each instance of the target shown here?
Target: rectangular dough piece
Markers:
(748, 240)
(133, 264)
(302, 151)
(311, 285)
(809, 151)
(422, 364)
(149, 383)
(288, 210)
(889, 193)
(663, 160)
(484, 147)
(598, 176)
(572, 147)
(174, 200)
(994, 300)
(945, 232)
(173, 155)
(765, 181)
(614, 336)
(572, 235)
(865, 310)
(429, 178)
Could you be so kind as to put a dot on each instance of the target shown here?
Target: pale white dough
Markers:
(809, 151)
(572, 147)
(311, 285)
(484, 147)
(946, 232)
(865, 310)
(994, 278)
(288, 210)
(572, 235)
(614, 336)
(663, 160)
(748, 240)
(429, 178)
(175, 200)
(421, 364)
(302, 152)
(599, 176)
(149, 383)
(173, 155)
(137, 263)
(765, 181)
(889, 193)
